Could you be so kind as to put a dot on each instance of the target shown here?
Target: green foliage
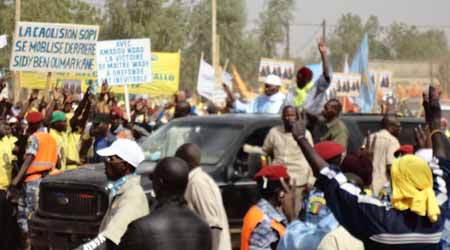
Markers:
(399, 41)
(409, 43)
(273, 24)
(239, 47)
(164, 24)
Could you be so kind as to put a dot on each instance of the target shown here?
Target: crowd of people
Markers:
(314, 192)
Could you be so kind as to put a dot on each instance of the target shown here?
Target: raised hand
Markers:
(322, 47)
(299, 127)
(368, 148)
(432, 107)
(423, 137)
(288, 200)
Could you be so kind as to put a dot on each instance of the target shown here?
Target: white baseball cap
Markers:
(126, 149)
(273, 80)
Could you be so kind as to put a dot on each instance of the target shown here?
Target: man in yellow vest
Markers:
(264, 224)
(41, 158)
(68, 141)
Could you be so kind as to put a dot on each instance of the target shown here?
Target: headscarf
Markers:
(412, 187)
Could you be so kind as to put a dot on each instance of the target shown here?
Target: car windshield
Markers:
(213, 139)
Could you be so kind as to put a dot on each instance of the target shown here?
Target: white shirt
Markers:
(262, 104)
(204, 198)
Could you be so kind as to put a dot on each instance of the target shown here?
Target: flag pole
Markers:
(127, 101)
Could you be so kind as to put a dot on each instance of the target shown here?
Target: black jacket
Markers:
(168, 227)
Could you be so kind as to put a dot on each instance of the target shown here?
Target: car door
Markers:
(239, 193)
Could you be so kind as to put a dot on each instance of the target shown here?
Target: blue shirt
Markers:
(263, 236)
(261, 104)
(383, 227)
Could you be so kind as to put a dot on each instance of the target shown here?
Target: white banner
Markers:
(54, 47)
(207, 86)
(344, 85)
(284, 69)
(124, 62)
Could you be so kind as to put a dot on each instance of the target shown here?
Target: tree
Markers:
(57, 11)
(239, 47)
(345, 39)
(274, 25)
(165, 24)
(409, 43)
(378, 49)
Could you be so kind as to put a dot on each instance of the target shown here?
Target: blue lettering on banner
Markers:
(123, 62)
(47, 47)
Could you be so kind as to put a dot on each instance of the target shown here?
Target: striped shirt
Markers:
(380, 226)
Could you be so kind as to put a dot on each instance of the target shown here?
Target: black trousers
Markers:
(9, 230)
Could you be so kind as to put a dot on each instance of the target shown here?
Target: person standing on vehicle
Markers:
(264, 224)
(41, 158)
(337, 131)
(281, 145)
(310, 95)
(129, 202)
(385, 145)
(270, 102)
(415, 217)
(204, 197)
(171, 224)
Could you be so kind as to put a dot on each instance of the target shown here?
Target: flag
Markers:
(3, 41)
(360, 64)
(207, 86)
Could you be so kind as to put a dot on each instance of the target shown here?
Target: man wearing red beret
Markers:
(41, 158)
(264, 224)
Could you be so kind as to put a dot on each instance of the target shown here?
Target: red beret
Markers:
(305, 72)
(273, 172)
(329, 149)
(34, 117)
(406, 149)
(117, 111)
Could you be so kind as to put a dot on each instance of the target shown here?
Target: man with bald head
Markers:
(337, 131)
(171, 225)
(385, 144)
(204, 197)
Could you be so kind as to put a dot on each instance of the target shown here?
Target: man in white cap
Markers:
(128, 201)
(270, 102)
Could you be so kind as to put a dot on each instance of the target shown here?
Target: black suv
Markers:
(71, 205)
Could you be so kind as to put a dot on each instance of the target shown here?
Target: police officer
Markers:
(264, 224)
(41, 159)
(128, 198)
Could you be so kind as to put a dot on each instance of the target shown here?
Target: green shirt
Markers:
(337, 132)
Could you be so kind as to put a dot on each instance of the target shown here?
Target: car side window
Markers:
(255, 139)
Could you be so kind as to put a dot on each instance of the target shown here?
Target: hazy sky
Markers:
(418, 12)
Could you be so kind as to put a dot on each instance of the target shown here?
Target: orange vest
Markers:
(45, 158)
(253, 217)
